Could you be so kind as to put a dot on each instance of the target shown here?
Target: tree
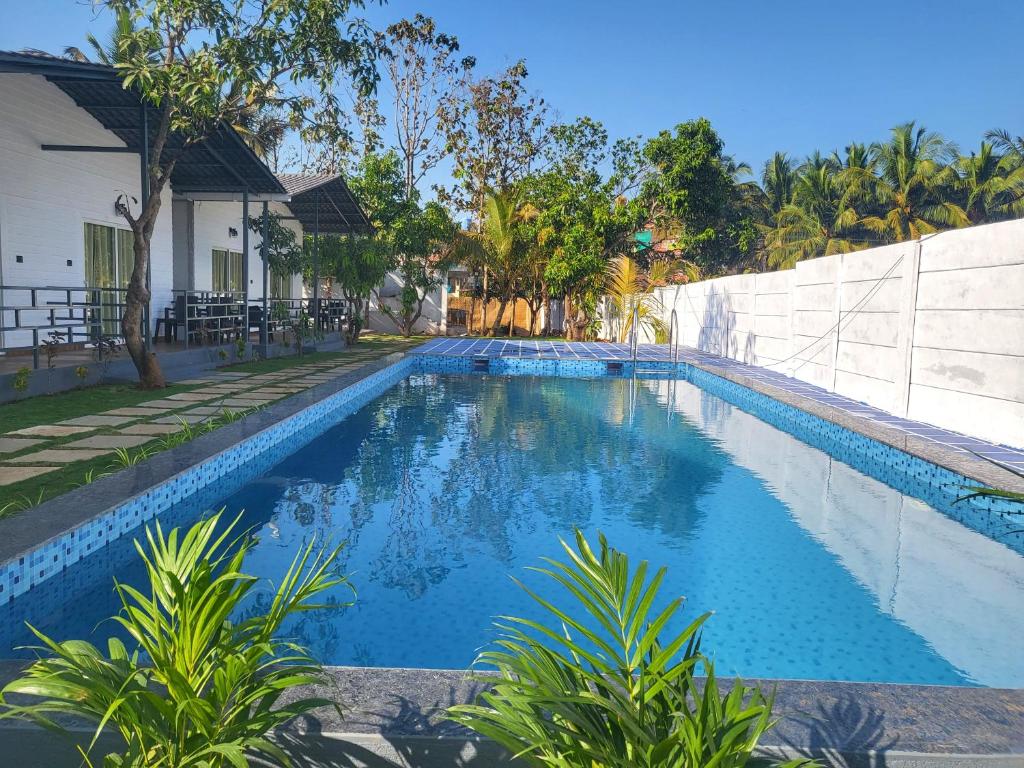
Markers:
(494, 132)
(907, 186)
(991, 185)
(630, 289)
(582, 219)
(424, 73)
(689, 190)
(777, 180)
(205, 63)
(816, 222)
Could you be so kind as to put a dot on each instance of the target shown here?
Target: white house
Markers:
(71, 142)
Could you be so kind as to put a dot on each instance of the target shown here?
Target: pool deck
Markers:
(972, 457)
(396, 717)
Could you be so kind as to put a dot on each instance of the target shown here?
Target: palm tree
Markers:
(817, 222)
(777, 180)
(910, 186)
(118, 48)
(630, 289)
(1012, 146)
(991, 185)
(857, 156)
(500, 245)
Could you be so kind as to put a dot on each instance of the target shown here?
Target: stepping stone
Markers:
(203, 410)
(193, 382)
(235, 403)
(14, 444)
(60, 456)
(53, 430)
(97, 421)
(136, 410)
(10, 475)
(192, 397)
(166, 404)
(150, 429)
(183, 417)
(109, 441)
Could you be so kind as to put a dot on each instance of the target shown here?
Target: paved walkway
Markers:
(35, 451)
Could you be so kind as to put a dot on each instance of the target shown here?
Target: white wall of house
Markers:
(47, 197)
(435, 308)
(212, 225)
(931, 329)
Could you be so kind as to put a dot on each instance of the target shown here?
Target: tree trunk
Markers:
(137, 299)
(545, 301)
(483, 316)
(497, 320)
(512, 317)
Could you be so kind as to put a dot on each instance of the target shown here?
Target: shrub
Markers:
(200, 689)
(21, 377)
(603, 689)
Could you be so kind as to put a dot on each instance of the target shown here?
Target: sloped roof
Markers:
(221, 163)
(324, 200)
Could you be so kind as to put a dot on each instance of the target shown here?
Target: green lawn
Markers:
(50, 409)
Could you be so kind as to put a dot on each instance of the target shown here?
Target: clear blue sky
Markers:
(793, 75)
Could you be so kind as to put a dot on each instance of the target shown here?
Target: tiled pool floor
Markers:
(584, 350)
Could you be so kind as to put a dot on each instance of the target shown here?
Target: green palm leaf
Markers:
(597, 687)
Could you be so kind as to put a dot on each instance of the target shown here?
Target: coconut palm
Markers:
(817, 222)
(857, 156)
(909, 186)
(118, 47)
(777, 180)
(1011, 146)
(991, 185)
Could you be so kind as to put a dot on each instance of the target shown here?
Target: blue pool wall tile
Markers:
(197, 487)
(937, 486)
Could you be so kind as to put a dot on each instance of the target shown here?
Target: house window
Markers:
(280, 286)
(109, 259)
(227, 270)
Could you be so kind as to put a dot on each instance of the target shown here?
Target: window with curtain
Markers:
(227, 270)
(109, 258)
(280, 286)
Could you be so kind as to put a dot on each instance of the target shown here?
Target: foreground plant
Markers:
(605, 690)
(199, 689)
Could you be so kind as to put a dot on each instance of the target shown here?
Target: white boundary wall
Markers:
(932, 329)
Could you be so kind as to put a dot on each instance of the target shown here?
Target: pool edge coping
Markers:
(815, 718)
(971, 467)
(33, 529)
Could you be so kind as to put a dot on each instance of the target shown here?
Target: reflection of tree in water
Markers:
(457, 465)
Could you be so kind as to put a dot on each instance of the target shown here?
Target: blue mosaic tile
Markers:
(199, 486)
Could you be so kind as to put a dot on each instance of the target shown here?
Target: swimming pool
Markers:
(448, 483)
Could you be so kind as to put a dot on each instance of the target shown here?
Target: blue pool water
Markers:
(447, 485)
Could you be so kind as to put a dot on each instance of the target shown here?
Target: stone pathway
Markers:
(33, 451)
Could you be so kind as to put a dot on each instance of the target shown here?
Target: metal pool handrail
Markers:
(634, 336)
(673, 336)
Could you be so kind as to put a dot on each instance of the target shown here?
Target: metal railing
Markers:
(673, 336)
(204, 317)
(31, 315)
(634, 335)
(285, 314)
